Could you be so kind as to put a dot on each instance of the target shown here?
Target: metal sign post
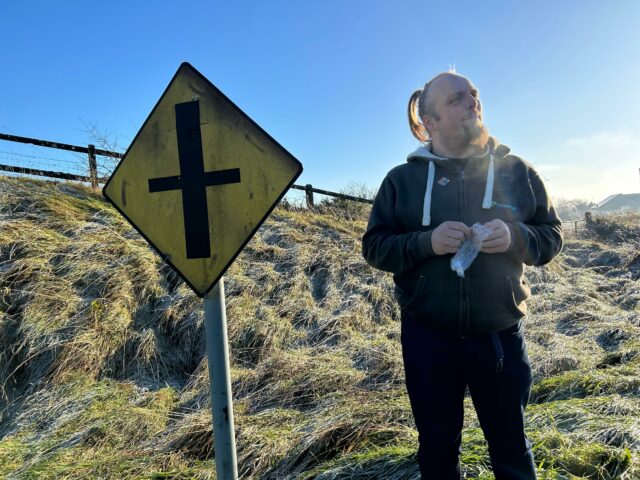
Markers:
(198, 180)
(215, 323)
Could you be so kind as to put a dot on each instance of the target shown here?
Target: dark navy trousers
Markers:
(438, 367)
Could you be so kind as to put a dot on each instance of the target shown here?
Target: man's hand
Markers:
(500, 238)
(448, 237)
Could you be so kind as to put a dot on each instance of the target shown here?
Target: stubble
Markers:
(471, 137)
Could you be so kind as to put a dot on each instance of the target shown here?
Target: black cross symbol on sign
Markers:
(193, 180)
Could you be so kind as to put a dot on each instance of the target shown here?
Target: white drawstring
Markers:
(426, 209)
(487, 202)
(488, 191)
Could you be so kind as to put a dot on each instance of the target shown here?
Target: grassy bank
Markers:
(104, 375)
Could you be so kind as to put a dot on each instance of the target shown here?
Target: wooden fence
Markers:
(572, 227)
(94, 180)
(90, 150)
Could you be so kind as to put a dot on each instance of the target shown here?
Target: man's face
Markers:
(456, 102)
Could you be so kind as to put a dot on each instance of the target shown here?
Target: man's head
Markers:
(449, 112)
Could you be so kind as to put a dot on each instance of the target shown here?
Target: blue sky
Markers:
(330, 80)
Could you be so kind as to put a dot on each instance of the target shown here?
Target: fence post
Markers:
(93, 166)
(587, 217)
(309, 191)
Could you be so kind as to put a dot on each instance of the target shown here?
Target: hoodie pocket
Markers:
(494, 301)
(517, 292)
(435, 301)
(409, 296)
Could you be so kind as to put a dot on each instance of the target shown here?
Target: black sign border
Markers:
(188, 66)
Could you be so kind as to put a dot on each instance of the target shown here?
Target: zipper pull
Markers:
(503, 205)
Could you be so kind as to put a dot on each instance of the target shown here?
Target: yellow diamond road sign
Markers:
(199, 179)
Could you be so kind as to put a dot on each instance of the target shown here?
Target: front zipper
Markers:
(462, 212)
(465, 280)
(462, 309)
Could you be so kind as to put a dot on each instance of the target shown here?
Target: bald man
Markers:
(462, 331)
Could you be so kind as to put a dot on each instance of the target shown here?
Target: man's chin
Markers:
(476, 136)
(481, 138)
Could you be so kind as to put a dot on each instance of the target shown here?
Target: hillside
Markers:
(104, 375)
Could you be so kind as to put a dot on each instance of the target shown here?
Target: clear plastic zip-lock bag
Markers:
(469, 249)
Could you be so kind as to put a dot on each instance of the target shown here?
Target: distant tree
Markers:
(103, 140)
(572, 209)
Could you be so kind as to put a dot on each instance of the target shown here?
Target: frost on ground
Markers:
(104, 375)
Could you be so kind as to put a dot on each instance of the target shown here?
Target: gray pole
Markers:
(215, 322)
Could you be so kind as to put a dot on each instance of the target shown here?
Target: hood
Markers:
(424, 152)
(494, 149)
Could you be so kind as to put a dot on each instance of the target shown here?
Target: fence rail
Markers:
(309, 190)
(59, 146)
(90, 150)
(573, 226)
(49, 173)
(93, 178)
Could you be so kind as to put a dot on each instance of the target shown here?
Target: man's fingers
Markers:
(452, 243)
(465, 230)
(460, 227)
(492, 236)
(492, 250)
(444, 248)
(497, 242)
(456, 234)
(494, 223)
(495, 235)
(499, 245)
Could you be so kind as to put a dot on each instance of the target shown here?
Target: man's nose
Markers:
(474, 103)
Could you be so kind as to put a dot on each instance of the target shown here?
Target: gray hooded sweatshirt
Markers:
(416, 197)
